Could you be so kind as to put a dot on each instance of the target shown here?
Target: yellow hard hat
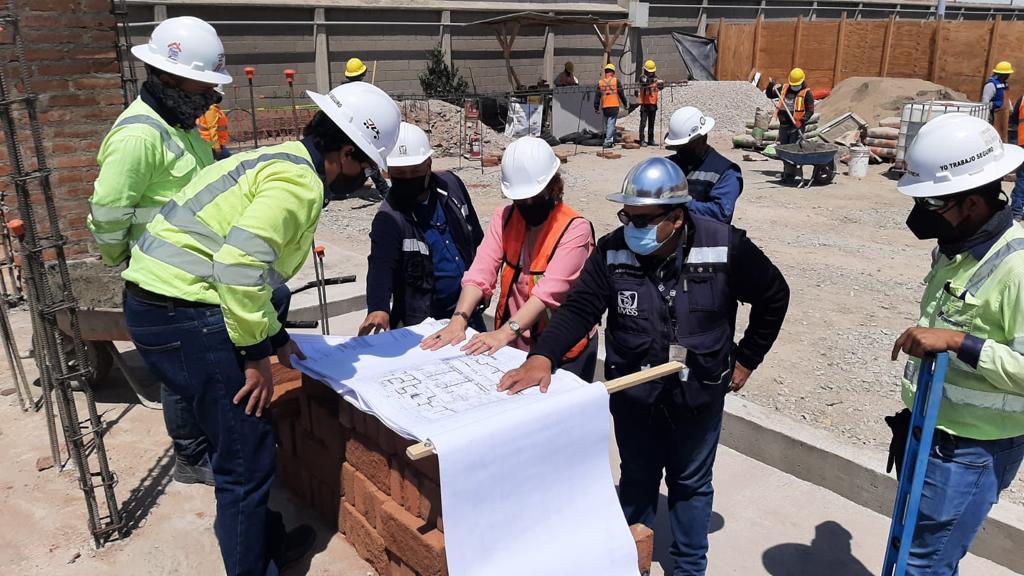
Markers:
(609, 66)
(796, 76)
(1003, 67)
(354, 67)
(570, 67)
(650, 67)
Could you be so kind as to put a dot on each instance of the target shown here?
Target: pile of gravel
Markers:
(442, 121)
(730, 103)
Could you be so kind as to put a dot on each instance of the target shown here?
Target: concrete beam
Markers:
(549, 55)
(446, 36)
(159, 13)
(323, 63)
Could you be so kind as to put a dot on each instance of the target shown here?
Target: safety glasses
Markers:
(643, 221)
(938, 204)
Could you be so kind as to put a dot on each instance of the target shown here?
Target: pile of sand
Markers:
(875, 98)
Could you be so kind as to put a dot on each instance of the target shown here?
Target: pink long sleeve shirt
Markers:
(563, 270)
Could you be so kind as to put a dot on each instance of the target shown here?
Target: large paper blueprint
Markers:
(526, 486)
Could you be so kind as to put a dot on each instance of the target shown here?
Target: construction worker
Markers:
(973, 307)
(714, 181)
(568, 76)
(355, 70)
(197, 302)
(650, 88)
(1017, 135)
(795, 106)
(608, 99)
(671, 282)
(993, 92)
(151, 152)
(533, 250)
(213, 127)
(422, 241)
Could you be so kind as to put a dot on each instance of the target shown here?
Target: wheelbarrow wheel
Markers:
(101, 360)
(824, 173)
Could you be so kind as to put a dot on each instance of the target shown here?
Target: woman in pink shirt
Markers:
(532, 252)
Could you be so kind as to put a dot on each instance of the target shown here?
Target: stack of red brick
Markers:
(352, 470)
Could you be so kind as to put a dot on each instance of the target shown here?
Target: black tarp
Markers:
(698, 53)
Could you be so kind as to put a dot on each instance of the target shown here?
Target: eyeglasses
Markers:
(643, 220)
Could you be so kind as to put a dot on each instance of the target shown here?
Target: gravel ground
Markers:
(854, 270)
(730, 103)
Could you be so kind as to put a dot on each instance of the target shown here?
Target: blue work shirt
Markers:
(448, 263)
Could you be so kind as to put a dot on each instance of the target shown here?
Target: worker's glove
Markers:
(899, 423)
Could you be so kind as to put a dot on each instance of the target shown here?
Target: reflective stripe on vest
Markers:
(609, 92)
(708, 255)
(711, 177)
(999, 401)
(988, 267)
(184, 218)
(414, 245)
(621, 258)
(153, 123)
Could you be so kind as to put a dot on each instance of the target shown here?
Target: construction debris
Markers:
(609, 155)
(443, 122)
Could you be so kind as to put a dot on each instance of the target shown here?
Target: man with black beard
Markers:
(422, 240)
(151, 153)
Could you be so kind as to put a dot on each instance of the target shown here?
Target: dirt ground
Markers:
(855, 274)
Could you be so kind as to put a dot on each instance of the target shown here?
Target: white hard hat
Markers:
(955, 153)
(412, 148)
(527, 166)
(366, 114)
(188, 47)
(686, 124)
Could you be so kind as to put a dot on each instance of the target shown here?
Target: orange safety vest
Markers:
(1020, 124)
(798, 105)
(609, 88)
(649, 93)
(513, 236)
(213, 126)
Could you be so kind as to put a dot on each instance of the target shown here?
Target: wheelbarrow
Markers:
(820, 155)
(101, 327)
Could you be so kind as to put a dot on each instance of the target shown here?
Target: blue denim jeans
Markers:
(681, 442)
(190, 444)
(1017, 196)
(609, 129)
(963, 482)
(190, 351)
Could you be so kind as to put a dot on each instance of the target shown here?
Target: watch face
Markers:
(514, 326)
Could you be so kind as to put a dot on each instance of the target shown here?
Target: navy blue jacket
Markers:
(715, 182)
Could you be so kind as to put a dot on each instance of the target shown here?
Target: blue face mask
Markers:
(643, 241)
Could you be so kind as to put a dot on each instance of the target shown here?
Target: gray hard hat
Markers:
(653, 182)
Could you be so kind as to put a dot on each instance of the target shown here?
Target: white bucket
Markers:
(859, 162)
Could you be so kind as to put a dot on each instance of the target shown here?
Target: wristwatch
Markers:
(515, 328)
(462, 315)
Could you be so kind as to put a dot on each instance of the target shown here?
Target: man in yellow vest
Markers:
(973, 308)
(650, 89)
(152, 151)
(198, 302)
(794, 108)
(608, 99)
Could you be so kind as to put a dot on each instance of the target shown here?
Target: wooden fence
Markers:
(959, 55)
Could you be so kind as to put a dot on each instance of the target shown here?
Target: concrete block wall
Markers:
(352, 470)
(73, 67)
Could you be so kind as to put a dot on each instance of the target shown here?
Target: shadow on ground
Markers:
(828, 553)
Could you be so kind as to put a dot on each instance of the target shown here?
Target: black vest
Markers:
(700, 180)
(413, 284)
(640, 327)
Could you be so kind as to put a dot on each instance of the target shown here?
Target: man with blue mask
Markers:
(671, 282)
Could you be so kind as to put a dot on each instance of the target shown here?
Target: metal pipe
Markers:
(312, 23)
(249, 73)
(940, 9)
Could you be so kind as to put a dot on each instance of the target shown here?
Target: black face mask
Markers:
(927, 224)
(344, 186)
(536, 213)
(185, 106)
(405, 192)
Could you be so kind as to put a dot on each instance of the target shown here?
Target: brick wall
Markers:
(69, 48)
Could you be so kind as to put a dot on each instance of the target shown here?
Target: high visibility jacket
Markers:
(984, 299)
(798, 107)
(143, 162)
(1017, 123)
(649, 91)
(609, 88)
(242, 227)
(513, 236)
(213, 127)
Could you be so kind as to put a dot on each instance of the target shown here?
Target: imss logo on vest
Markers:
(627, 303)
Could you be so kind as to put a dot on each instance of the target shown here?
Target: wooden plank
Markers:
(933, 70)
(796, 41)
(719, 37)
(963, 63)
(862, 54)
(817, 52)
(993, 37)
(757, 39)
(907, 59)
(838, 65)
(887, 46)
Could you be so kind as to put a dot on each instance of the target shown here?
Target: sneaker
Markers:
(193, 474)
(298, 542)
(642, 144)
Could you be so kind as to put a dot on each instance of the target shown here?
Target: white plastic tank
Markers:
(917, 114)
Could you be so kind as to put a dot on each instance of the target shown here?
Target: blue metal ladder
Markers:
(930, 377)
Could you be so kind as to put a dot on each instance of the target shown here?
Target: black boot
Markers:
(193, 473)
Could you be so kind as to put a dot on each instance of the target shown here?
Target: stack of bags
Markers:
(747, 140)
(883, 140)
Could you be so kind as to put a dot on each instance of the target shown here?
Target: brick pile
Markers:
(352, 470)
